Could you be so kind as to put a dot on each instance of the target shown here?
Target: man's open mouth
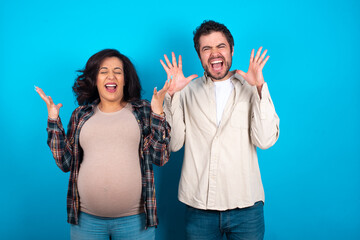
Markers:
(217, 65)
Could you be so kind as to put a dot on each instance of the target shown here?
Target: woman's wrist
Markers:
(158, 111)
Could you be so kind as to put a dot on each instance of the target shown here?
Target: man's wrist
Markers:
(259, 88)
(171, 93)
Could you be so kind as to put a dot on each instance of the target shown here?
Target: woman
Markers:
(112, 140)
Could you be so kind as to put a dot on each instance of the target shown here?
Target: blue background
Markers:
(310, 176)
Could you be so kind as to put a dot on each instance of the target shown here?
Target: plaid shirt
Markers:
(154, 148)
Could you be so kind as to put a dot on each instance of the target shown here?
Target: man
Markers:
(221, 117)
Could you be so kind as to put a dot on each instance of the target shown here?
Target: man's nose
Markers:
(214, 52)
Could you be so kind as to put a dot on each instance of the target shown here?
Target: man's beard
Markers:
(227, 65)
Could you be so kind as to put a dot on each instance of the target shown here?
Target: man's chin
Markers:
(216, 76)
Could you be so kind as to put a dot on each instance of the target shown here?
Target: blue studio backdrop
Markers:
(311, 175)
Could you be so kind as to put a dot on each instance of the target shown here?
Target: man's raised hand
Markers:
(254, 74)
(175, 73)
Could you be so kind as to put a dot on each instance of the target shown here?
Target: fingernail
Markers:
(156, 88)
(171, 77)
(35, 87)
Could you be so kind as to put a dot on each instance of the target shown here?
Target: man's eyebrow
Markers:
(205, 47)
(103, 68)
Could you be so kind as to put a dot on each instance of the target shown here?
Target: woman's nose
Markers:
(110, 75)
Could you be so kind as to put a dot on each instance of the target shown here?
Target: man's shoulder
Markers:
(196, 83)
(199, 80)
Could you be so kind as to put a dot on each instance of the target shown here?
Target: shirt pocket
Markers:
(240, 117)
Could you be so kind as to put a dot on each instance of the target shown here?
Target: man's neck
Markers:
(229, 75)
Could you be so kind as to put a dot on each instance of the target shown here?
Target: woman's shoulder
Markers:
(139, 103)
(142, 108)
(81, 110)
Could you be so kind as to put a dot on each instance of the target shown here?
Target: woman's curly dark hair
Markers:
(85, 88)
(208, 27)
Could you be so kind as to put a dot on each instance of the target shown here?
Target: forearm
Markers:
(175, 117)
(159, 139)
(264, 120)
(59, 145)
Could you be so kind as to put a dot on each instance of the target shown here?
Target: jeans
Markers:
(245, 223)
(92, 227)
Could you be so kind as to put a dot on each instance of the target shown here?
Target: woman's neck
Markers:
(109, 107)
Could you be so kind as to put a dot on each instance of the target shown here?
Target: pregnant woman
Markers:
(112, 140)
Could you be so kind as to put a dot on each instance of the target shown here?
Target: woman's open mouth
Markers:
(111, 87)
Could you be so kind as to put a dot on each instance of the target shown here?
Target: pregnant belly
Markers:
(110, 191)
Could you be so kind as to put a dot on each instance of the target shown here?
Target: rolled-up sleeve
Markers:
(160, 140)
(61, 144)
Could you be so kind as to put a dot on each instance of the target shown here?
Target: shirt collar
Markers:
(92, 105)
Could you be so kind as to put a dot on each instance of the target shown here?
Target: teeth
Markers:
(216, 62)
(110, 85)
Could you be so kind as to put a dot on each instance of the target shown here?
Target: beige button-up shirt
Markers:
(220, 169)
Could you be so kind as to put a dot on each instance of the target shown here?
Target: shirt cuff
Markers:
(54, 124)
(264, 92)
(265, 103)
(159, 116)
(157, 120)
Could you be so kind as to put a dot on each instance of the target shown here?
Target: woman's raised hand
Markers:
(158, 98)
(174, 71)
(53, 110)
